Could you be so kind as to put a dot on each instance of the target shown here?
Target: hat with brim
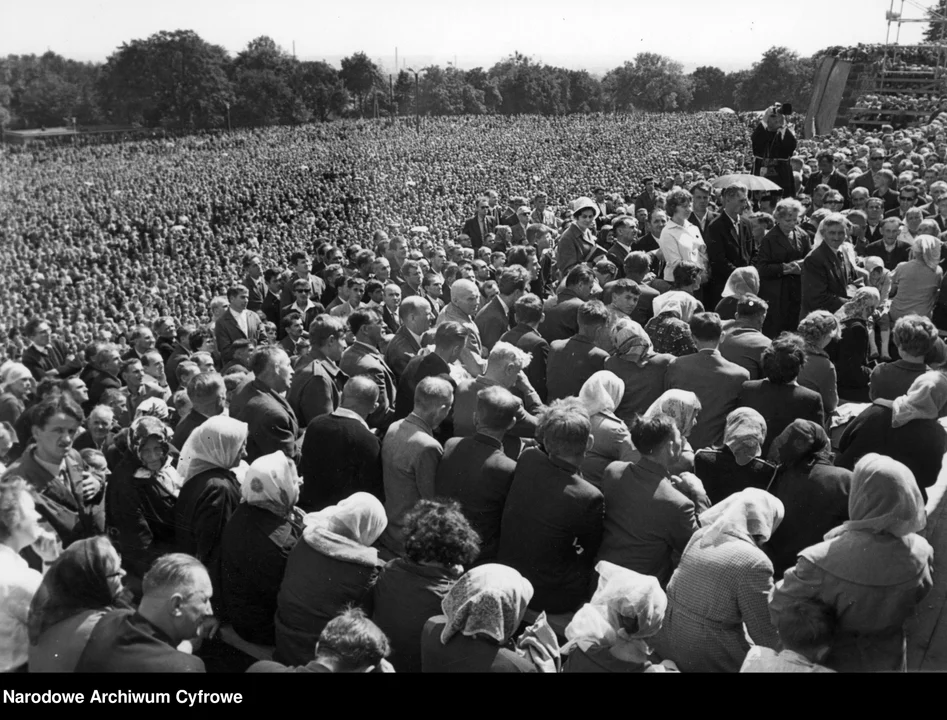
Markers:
(584, 203)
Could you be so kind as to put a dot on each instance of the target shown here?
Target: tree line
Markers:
(178, 80)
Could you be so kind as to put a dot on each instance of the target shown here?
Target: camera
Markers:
(783, 108)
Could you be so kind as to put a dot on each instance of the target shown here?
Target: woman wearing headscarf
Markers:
(669, 329)
(209, 463)
(742, 282)
(916, 283)
(851, 353)
(683, 407)
(722, 585)
(636, 364)
(736, 464)
(476, 630)
(611, 440)
(818, 329)
(82, 585)
(873, 570)
(906, 430)
(256, 543)
(333, 565)
(779, 263)
(439, 543)
(140, 499)
(610, 633)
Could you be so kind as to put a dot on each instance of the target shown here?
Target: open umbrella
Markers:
(752, 182)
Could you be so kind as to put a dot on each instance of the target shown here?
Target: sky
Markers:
(731, 35)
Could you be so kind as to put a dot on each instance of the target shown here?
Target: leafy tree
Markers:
(321, 89)
(710, 89)
(780, 75)
(651, 82)
(360, 76)
(936, 30)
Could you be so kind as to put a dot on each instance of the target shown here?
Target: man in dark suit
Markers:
(519, 227)
(907, 198)
(828, 175)
(316, 389)
(626, 234)
(179, 353)
(390, 311)
(494, 318)
(874, 211)
(646, 199)
(825, 272)
(573, 361)
(729, 243)
(236, 323)
(416, 320)
(717, 382)
(363, 358)
(528, 311)
(561, 316)
(208, 396)
(553, 518)
(340, 454)
(890, 249)
(450, 338)
(480, 225)
(293, 329)
(637, 268)
(876, 159)
(142, 341)
(253, 279)
(45, 356)
(271, 300)
(101, 373)
(476, 472)
(259, 403)
(701, 216)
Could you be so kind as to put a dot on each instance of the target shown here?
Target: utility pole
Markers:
(417, 100)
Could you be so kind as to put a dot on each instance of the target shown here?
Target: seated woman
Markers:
(611, 440)
(818, 329)
(140, 500)
(637, 365)
(439, 543)
(334, 565)
(256, 543)
(481, 615)
(915, 284)
(778, 397)
(905, 430)
(722, 586)
(914, 336)
(683, 407)
(851, 353)
(609, 633)
(736, 464)
(669, 329)
(873, 570)
(813, 491)
(743, 281)
(210, 460)
(78, 589)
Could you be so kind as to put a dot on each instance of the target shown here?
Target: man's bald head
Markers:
(360, 395)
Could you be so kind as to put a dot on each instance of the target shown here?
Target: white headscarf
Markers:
(924, 400)
(684, 303)
(271, 483)
(742, 516)
(742, 281)
(602, 392)
(217, 443)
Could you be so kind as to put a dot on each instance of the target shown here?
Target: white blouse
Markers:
(18, 583)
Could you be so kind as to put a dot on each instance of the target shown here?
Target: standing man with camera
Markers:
(773, 144)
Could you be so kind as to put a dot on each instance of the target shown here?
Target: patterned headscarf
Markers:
(925, 399)
(678, 301)
(271, 483)
(742, 281)
(803, 441)
(861, 306)
(927, 250)
(602, 392)
(153, 407)
(143, 429)
(631, 342)
(743, 516)
(884, 498)
(217, 443)
(488, 600)
(682, 406)
(744, 434)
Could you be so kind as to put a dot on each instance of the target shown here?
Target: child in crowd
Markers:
(806, 630)
(880, 279)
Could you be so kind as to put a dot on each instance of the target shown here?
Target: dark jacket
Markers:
(745, 346)
(550, 512)
(571, 362)
(850, 354)
(562, 319)
(124, 642)
(417, 369)
(98, 381)
(771, 153)
(729, 246)
(361, 359)
(184, 429)
(528, 340)
(272, 421)
(837, 181)
(780, 405)
(401, 348)
(316, 389)
(722, 476)
(271, 308)
(825, 281)
(464, 654)
(54, 358)
(475, 472)
(643, 384)
(901, 252)
(492, 321)
(782, 292)
(253, 552)
(226, 332)
(472, 229)
(340, 456)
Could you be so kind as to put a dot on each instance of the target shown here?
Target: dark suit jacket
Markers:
(571, 362)
(890, 198)
(865, 180)
(258, 292)
(272, 421)
(123, 641)
(360, 359)
(899, 254)
(644, 310)
(717, 384)
(780, 405)
(709, 217)
(316, 389)
(562, 319)
(549, 511)
(401, 348)
(416, 370)
(392, 320)
(729, 246)
(492, 321)
(617, 253)
(645, 201)
(873, 235)
(472, 229)
(53, 359)
(226, 331)
(340, 456)
(528, 340)
(271, 308)
(824, 281)
(837, 181)
(475, 472)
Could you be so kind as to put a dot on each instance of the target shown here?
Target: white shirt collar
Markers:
(238, 315)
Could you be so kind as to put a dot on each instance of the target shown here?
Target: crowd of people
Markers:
(355, 398)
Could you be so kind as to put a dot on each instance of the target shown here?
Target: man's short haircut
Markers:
(702, 185)
(112, 394)
(649, 434)
(153, 356)
(507, 354)
(126, 364)
(271, 273)
(806, 625)
(624, 286)
(361, 389)
(783, 360)
(593, 314)
(184, 368)
(353, 641)
(364, 257)
(497, 408)
(412, 306)
(750, 306)
(637, 263)
(236, 291)
(915, 335)
(29, 330)
(564, 428)
(362, 317)
(534, 231)
(432, 392)
(297, 256)
(137, 332)
(56, 405)
(731, 191)
(528, 309)
(289, 319)
(890, 221)
(263, 357)
(706, 327)
(686, 273)
(579, 275)
(513, 278)
(204, 387)
(324, 328)
(102, 351)
(450, 334)
(170, 574)
(100, 411)
(430, 278)
(353, 281)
